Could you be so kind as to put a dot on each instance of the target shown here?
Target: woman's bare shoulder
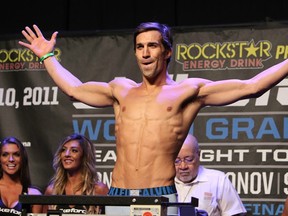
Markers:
(34, 191)
(49, 190)
(101, 188)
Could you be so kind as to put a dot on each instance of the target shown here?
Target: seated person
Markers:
(15, 178)
(213, 189)
(75, 174)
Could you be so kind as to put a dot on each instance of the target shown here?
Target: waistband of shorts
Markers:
(155, 191)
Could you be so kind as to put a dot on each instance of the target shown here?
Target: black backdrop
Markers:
(93, 15)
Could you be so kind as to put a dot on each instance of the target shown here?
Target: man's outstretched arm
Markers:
(92, 93)
(225, 92)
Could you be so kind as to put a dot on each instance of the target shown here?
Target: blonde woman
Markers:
(75, 174)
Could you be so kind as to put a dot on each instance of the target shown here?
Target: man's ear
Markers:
(168, 53)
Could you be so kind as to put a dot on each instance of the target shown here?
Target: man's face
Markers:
(150, 53)
(187, 164)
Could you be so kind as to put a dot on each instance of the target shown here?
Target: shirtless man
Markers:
(152, 118)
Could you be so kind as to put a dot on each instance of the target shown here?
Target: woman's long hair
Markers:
(24, 173)
(88, 169)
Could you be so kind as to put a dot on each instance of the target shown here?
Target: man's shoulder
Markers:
(212, 175)
(214, 172)
(194, 80)
(122, 81)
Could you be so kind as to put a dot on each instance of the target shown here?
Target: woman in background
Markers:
(15, 178)
(75, 174)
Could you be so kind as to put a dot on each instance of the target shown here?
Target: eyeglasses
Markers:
(186, 160)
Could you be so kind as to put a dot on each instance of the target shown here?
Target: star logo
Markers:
(252, 49)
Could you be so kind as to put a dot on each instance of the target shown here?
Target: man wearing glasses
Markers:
(214, 190)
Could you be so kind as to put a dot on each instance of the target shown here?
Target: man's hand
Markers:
(37, 43)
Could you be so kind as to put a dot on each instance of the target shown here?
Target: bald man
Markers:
(214, 190)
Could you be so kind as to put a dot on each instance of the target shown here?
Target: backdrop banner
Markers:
(247, 140)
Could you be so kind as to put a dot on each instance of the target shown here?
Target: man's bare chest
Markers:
(150, 107)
